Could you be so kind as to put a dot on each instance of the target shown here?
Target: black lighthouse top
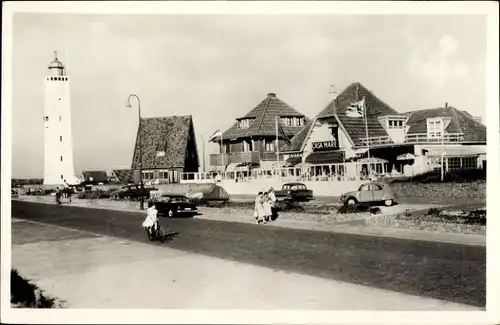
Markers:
(56, 67)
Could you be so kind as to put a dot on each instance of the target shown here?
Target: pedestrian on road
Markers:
(267, 207)
(58, 195)
(258, 211)
(274, 208)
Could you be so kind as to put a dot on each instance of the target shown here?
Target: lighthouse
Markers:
(59, 168)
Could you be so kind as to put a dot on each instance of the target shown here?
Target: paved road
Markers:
(444, 271)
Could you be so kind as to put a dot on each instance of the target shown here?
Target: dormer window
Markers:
(435, 127)
(396, 124)
(292, 121)
(244, 123)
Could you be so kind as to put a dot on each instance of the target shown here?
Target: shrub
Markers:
(360, 207)
(27, 295)
(433, 212)
(94, 195)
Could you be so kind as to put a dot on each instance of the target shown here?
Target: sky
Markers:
(217, 68)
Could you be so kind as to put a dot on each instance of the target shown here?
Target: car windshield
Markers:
(179, 199)
(298, 187)
(174, 199)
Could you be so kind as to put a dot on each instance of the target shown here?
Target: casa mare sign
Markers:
(324, 145)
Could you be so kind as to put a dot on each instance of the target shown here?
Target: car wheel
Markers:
(351, 201)
(388, 202)
(170, 213)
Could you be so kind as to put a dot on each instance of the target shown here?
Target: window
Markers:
(160, 154)
(60, 138)
(270, 145)
(395, 124)
(62, 177)
(147, 175)
(59, 118)
(61, 158)
(46, 118)
(292, 121)
(244, 124)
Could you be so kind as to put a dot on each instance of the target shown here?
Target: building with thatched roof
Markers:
(340, 133)
(251, 140)
(168, 148)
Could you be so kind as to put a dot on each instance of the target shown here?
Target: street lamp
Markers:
(139, 143)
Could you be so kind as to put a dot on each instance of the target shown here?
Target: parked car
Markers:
(14, 192)
(294, 192)
(372, 192)
(135, 191)
(173, 205)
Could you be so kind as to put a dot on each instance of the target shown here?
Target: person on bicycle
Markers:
(151, 218)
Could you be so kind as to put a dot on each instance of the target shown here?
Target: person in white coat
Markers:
(151, 220)
(258, 211)
(267, 207)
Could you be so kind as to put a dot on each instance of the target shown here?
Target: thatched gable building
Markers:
(168, 148)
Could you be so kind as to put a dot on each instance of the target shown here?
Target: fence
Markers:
(327, 172)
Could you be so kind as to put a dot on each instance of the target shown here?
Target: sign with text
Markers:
(325, 145)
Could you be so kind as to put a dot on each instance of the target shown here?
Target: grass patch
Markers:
(98, 194)
(457, 176)
(357, 208)
(474, 217)
(24, 294)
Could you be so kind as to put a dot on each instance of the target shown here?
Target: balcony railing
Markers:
(412, 138)
(375, 141)
(236, 157)
(424, 138)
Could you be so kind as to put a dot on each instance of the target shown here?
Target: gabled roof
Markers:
(95, 175)
(461, 122)
(264, 120)
(125, 176)
(355, 126)
(169, 134)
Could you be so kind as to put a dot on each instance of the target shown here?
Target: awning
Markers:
(406, 156)
(329, 157)
(455, 151)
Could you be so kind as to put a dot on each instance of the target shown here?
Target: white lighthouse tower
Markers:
(59, 168)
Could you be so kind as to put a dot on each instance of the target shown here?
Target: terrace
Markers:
(412, 138)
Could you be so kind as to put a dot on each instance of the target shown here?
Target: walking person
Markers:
(258, 211)
(274, 208)
(266, 207)
(58, 195)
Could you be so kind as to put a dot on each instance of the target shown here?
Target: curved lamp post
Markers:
(139, 143)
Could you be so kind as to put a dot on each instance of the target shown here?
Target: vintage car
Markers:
(294, 192)
(134, 191)
(14, 192)
(372, 192)
(173, 205)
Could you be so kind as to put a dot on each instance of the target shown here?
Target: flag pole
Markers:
(367, 140)
(442, 150)
(277, 143)
(222, 151)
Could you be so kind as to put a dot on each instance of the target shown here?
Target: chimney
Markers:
(271, 95)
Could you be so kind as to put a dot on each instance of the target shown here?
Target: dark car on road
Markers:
(135, 191)
(173, 205)
(294, 192)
